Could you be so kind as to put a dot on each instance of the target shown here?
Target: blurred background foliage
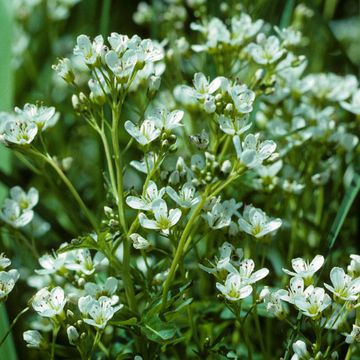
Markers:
(333, 33)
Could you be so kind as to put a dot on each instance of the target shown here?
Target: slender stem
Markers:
(73, 191)
(55, 333)
(47, 158)
(109, 161)
(179, 250)
(22, 312)
(128, 285)
(348, 353)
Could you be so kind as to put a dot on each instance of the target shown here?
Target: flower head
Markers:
(164, 219)
(145, 202)
(234, 289)
(252, 152)
(7, 282)
(313, 301)
(256, 223)
(145, 134)
(185, 198)
(49, 303)
(97, 312)
(304, 269)
(343, 286)
(42, 116)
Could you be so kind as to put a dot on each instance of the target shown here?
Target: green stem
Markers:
(73, 191)
(349, 353)
(109, 161)
(22, 312)
(55, 333)
(179, 250)
(129, 289)
(47, 158)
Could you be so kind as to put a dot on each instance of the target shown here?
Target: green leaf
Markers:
(345, 206)
(128, 322)
(159, 331)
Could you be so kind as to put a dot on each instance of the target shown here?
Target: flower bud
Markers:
(72, 334)
(34, 339)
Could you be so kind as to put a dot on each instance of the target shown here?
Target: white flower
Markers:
(64, 69)
(107, 289)
(89, 52)
(238, 282)
(229, 258)
(234, 289)
(18, 131)
(7, 282)
(11, 214)
(4, 262)
(203, 87)
(145, 202)
(266, 51)
(139, 242)
(354, 336)
(33, 339)
(42, 116)
(97, 312)
(242, 98)
(164, 219)
(273, 302)
(354, 267)
(243, 28)
(146, 164)
(167, 120)
(52, 264)
(354, 105)
(49, 303)
(289, 36)
(251, 152)
(80, 260)
(247, 274)
(256, 223)
(300, 351)
(237, 127)
(118, 42)
(305, 270)
(215, 32)
(217, 218)
(25, 200)
(343, 286)
(296, 288)
(185, 198)
(313, 301)
(145, 134)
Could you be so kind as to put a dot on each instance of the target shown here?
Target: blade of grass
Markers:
(287, 14)
(344, 209)
(8, 348)
(105, 17)
(345, 206)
